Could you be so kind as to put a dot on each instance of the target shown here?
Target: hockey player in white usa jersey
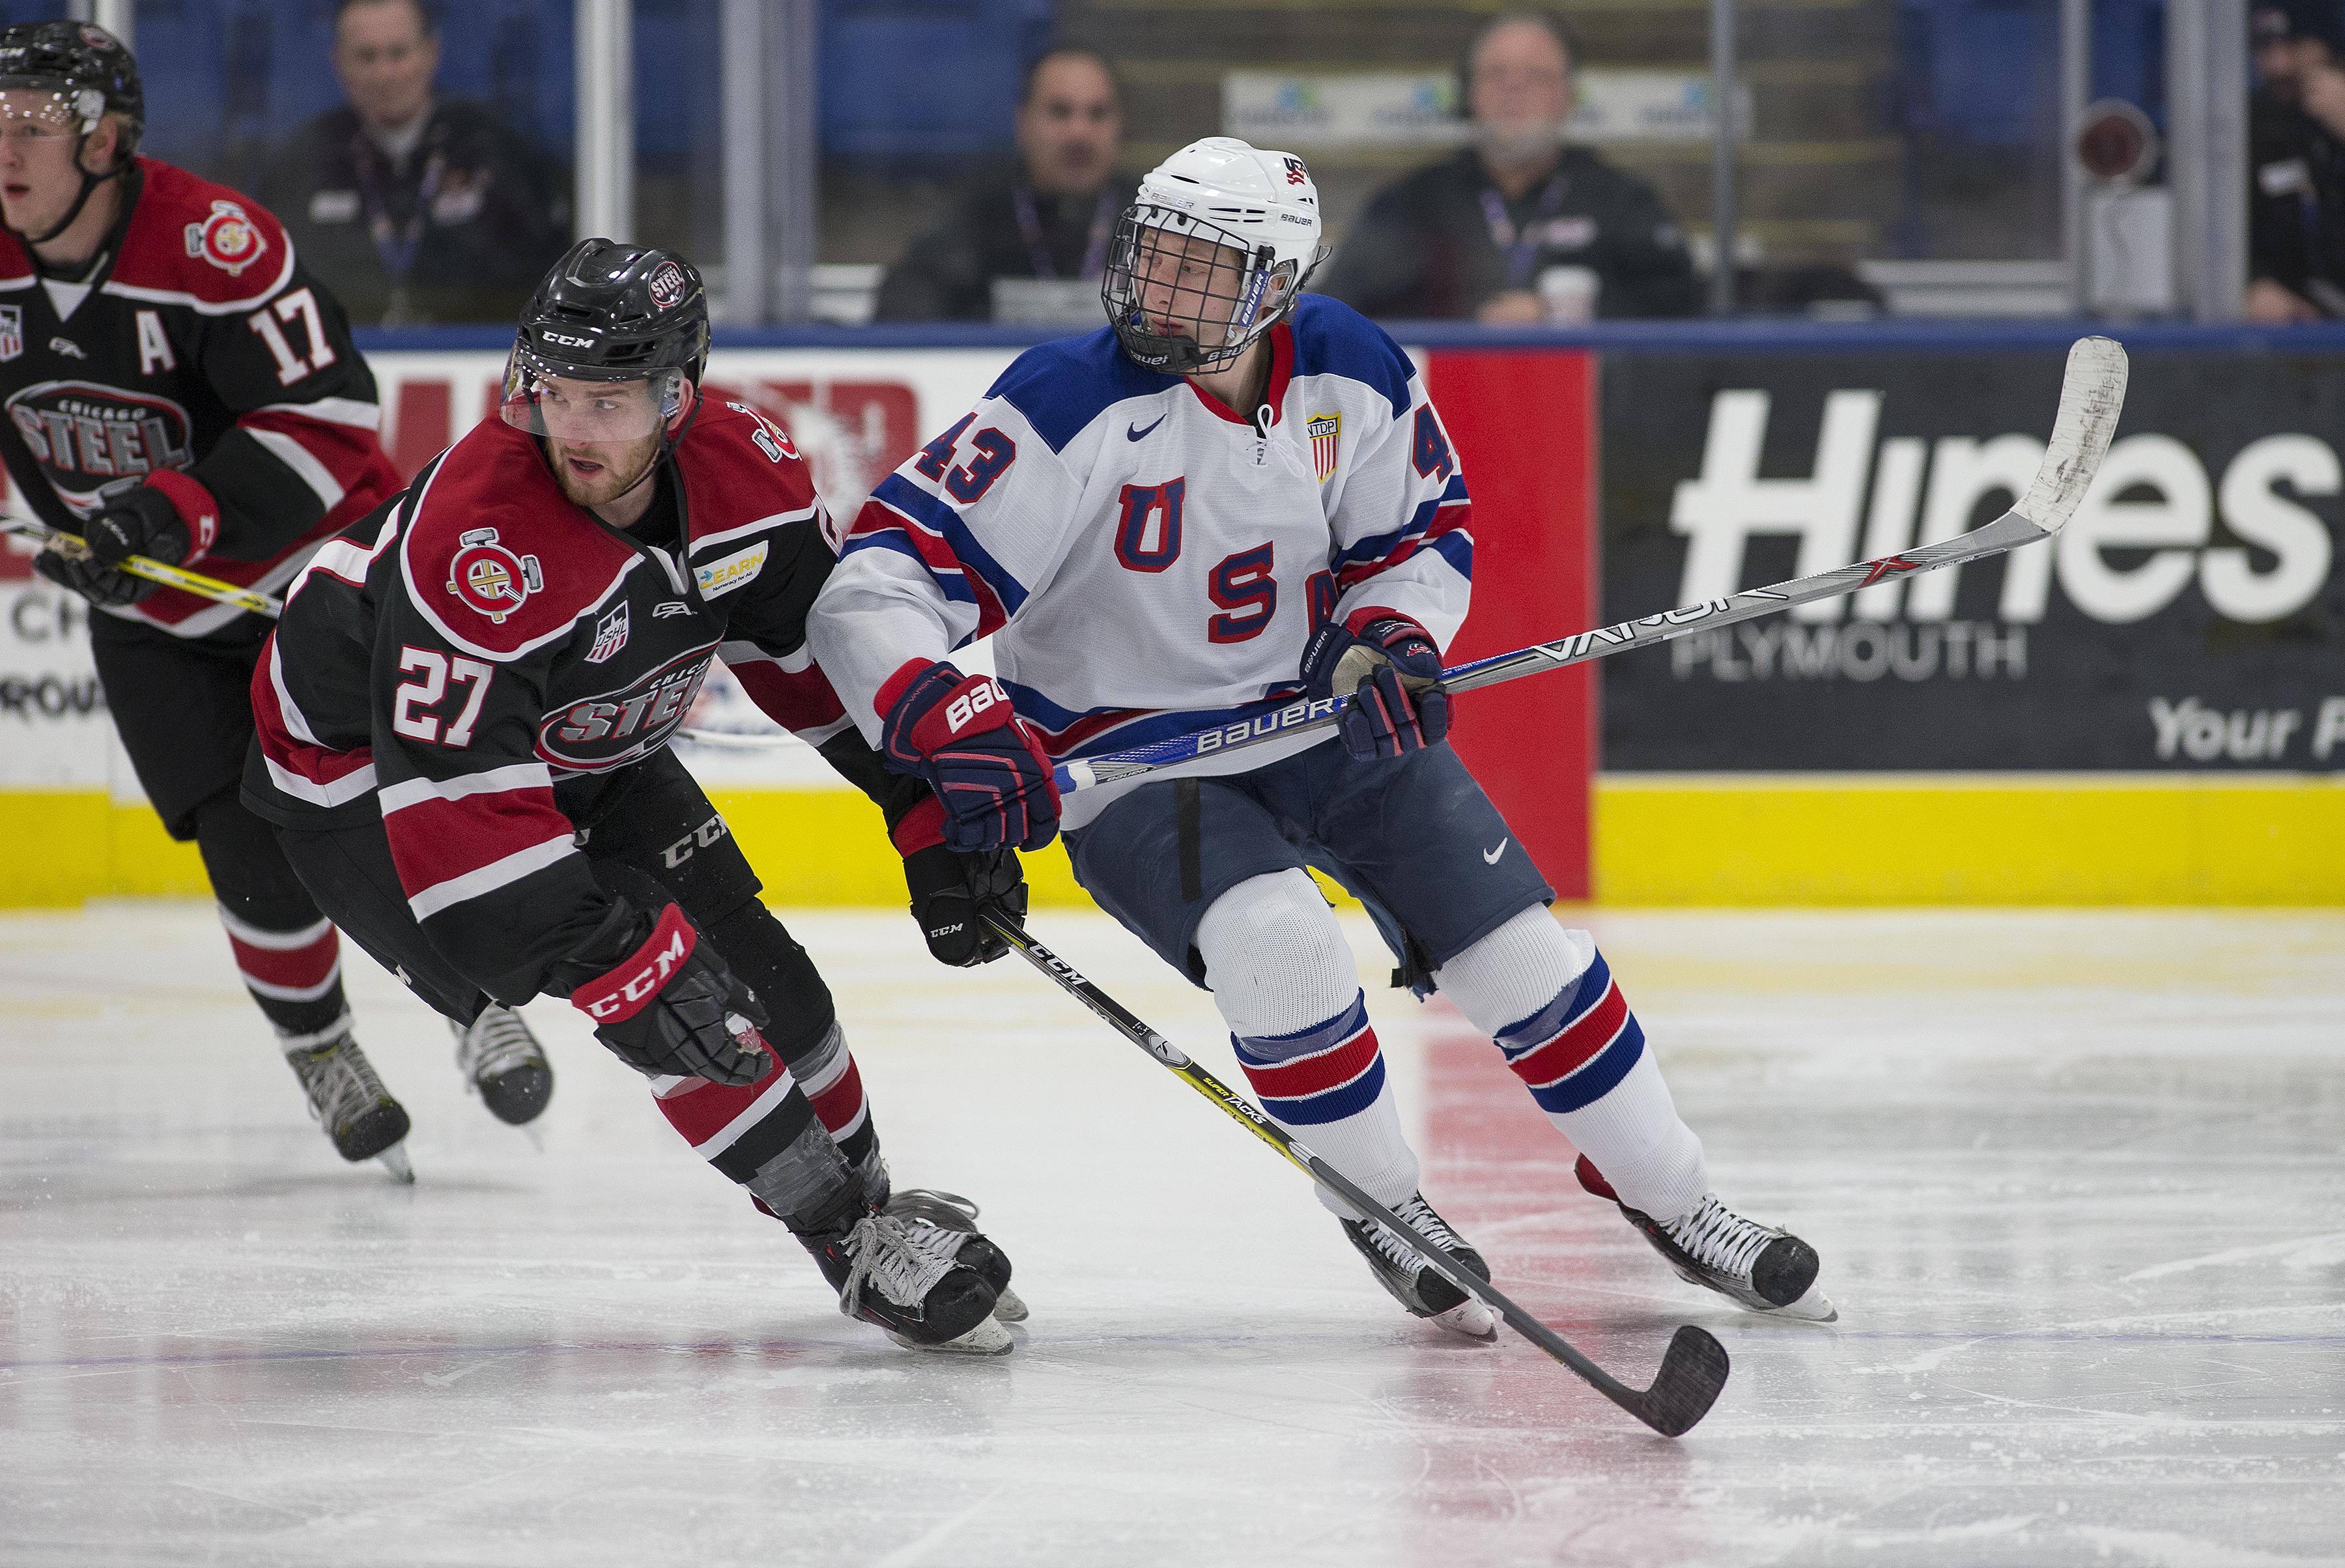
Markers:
(1232, 495)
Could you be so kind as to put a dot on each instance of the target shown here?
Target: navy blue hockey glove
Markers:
(951, 889)
(135, 520)
(957, 732)
(1391, 671)
(664, 1002)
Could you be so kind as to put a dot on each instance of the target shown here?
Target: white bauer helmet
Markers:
(1261, 206)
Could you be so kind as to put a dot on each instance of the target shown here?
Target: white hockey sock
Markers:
(1549, 999)
(1285, 984)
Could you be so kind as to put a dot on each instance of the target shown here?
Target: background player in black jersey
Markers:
(177, 386)
(462, 728)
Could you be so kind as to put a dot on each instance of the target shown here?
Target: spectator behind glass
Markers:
(415, 207)
(2296, 162)
(1520, 218)
(1030, 247)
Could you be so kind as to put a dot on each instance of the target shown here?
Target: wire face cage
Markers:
(1187, 295)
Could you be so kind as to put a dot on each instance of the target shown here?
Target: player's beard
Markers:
(623, 465)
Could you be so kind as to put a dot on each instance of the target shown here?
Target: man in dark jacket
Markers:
(1518, 215)
(2296, 168)
(415, 207)
(1030, 247)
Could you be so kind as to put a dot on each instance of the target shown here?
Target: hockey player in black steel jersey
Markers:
(178, 387)
(463, 730)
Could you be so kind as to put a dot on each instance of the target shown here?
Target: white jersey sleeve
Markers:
(1402, 543)
(948, 548)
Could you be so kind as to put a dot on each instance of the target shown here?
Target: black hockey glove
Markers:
(949, 887)
(133, 520)
(948, 890)
(664, 1002)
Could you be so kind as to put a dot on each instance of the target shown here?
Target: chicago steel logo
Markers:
(490, 578)
(86, 436)
(667, 285)
(226, 239)
(612, 729)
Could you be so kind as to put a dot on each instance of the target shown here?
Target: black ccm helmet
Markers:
(614, 314)
(88, 75)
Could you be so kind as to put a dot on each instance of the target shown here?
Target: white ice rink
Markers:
(2078, 1182)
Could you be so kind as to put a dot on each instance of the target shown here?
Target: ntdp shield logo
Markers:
(491, 578)
(1326, 441)
(226, 239)
(11, 330)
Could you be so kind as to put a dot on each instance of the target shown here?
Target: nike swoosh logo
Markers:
(1133, 432)
(1490, 857)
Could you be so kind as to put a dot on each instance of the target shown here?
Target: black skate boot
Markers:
(955, 1217)
(904, 1278)
(1756, 1266)
(503, 1064)
(1412, 1282)
(350, 1102)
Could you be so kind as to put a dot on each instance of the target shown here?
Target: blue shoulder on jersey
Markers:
(1332, 339)
(1062, 386)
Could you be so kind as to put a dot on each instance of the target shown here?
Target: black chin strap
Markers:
(89, 184)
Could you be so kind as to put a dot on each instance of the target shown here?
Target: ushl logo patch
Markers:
(228, 239)
(491, 578)
(1327, 442)
(609, 634)
(11, 330)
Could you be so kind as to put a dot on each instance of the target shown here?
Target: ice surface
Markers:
(2078, 1182)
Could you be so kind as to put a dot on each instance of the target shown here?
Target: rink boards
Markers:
(2151, 711)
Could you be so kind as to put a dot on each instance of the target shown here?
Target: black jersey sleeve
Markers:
(305, 427)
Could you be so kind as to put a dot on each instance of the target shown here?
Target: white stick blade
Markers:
(2092, 395)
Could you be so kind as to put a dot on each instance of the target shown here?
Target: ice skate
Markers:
(1413, 1283)
(350, 1102)
(1768, 1270)
(503, 1064)
(903, 1277)
(955, 1217)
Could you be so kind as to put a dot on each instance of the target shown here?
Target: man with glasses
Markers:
(413, 206)
(180, 387)
(1520, 227)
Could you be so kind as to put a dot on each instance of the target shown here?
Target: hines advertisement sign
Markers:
(2191, 616)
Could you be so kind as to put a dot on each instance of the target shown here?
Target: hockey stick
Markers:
(171, 577)
(1693, 1371)
(2092, 394)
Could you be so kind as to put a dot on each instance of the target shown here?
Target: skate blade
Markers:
(1814, 1306)
(1008, 1307)
(1469, 1320)
(394, 1160)
(988, 1338)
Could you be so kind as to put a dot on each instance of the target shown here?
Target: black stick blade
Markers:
(1692, 1376)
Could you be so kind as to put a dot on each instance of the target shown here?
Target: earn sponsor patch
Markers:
(728, 572)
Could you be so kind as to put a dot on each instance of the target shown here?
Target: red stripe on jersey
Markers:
(877, 518)
(299, 968)
(435, 842)
(1577, 1043)
(1331, 1069)
(351, 453)
(799, 699)
(1451, 517)
(278, 741)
